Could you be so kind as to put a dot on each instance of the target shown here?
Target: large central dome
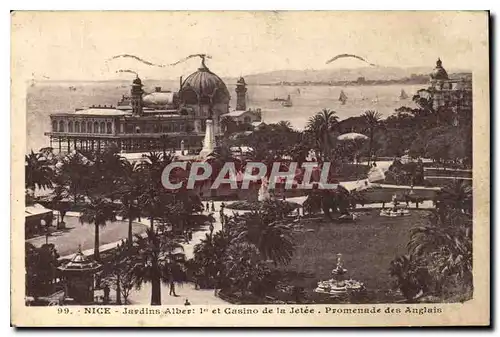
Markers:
(204, 87)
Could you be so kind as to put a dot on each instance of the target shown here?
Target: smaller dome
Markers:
(80, 263)
(137, 81)
(158, 98)
(439, 73)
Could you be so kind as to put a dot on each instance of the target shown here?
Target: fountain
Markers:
(395, 210)
(339, 284)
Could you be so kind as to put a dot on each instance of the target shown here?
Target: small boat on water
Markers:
(287, 103)
(342, 97)
(375, 100)
(72, 88)
(403, 95)
(277, 99)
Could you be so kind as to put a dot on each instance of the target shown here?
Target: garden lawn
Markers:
(67, 240)
(367, 247)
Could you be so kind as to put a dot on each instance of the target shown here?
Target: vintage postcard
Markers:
(250, 168)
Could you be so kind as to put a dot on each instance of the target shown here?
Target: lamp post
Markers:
(44, 224)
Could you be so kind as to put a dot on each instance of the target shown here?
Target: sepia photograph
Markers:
(245, 168)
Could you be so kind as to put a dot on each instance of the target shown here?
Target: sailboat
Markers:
(342, 97)
(287, 103)
(375, 100)
(403, 95)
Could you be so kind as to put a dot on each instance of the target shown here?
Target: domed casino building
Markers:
(204, 95)
(147, 121)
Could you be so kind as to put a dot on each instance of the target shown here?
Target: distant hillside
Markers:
(290, 76)
(326, 75)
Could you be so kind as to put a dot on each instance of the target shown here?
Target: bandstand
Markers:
(78, 276)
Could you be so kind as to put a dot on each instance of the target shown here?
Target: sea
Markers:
(45, 98)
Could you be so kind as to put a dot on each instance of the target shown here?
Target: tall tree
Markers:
(129, 194)
(270, 235)
(372, 120)
(97, 212)
(38, 171)
(159, 259)
(321, 126)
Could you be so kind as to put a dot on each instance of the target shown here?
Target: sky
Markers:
(76, 45)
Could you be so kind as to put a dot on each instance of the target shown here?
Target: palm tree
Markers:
(97, 212)
(448, 249)
(321, 125)
(456, 195)
(38, 171)
(284, 125)
(75, 177)
(372, 119)
(209, 257)
(152, 197)
(129, 193)
(271, 236)
(158, 259)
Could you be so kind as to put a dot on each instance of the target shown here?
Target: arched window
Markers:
(96, 127)
(70, 126)
(103, 127)
(137, 129)
(54, 126)
(108, 127)
(61, 126)
(83, 128)
(89, 127)
(77, 127)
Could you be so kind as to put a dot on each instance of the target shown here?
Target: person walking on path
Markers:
(172, 287)
(213, 206)
(207, 208)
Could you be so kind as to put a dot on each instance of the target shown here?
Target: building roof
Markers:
(238, 113)
(158, 98)
(102, 112)
(235, 113)
(35, 209)
(80, 263)
(206, 85)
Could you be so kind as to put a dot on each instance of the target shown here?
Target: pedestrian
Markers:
(172, 288)
(106, 293)
(187, 302)
(190, 235)
(213, 206)
(207, 208)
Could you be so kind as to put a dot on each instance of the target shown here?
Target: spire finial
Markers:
(79, 248)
